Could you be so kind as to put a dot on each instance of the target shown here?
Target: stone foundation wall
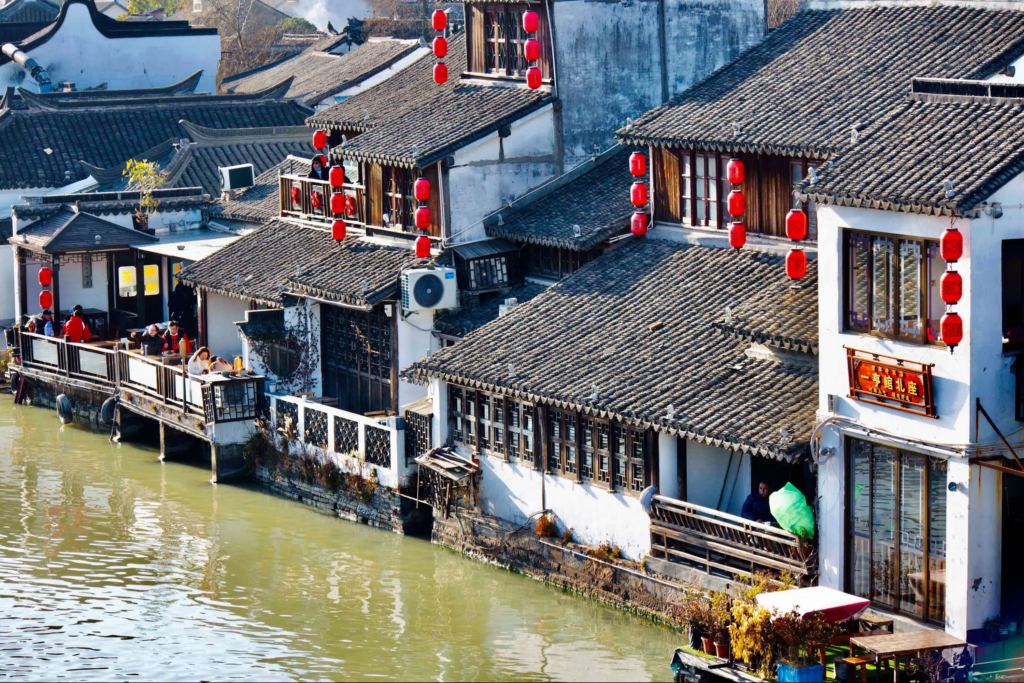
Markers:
(85, 404)
(626, 585)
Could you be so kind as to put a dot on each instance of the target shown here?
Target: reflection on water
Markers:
(113, 565)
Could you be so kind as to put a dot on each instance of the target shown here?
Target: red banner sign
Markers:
(893, 382)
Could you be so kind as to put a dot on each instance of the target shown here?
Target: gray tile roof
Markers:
(593, 196)
(112, 203)
(799, 91)
(262, 202)
(412, 121)
(44, 147)
(67, 230)
(459, 322)
(16, 32)
(318, 74)
(902, 162)
(638, 324)
(23, 11)
(355, 272)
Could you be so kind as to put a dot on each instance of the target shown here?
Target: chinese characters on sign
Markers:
(887, 381)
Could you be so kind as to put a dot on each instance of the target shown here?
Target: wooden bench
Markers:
(857, 664)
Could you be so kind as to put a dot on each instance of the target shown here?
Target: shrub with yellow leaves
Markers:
(751, 634)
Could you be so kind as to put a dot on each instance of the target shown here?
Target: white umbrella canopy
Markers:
(832, 604)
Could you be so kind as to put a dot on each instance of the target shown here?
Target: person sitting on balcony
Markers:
(199, 363)
(756, 508)
(43, 323)
(150, 341)
(317, 170)
(174, 338)
(75, 328)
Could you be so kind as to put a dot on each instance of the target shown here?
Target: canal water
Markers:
(114, 566)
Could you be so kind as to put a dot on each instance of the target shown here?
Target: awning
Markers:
(449, 464)
(190, 245)
(832, 604)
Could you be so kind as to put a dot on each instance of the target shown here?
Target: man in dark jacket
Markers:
(756, 508)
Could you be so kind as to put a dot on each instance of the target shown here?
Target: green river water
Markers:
(116, 566)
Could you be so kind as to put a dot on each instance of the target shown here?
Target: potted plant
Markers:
(692, 613)
(720, 618)
(794, 638)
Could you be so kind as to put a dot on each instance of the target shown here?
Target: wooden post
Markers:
(55, 288)
(140, 288)
(202, 317)
(22, 284)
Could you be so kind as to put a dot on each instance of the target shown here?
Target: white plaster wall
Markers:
(710, 476)
(222, 312)
(668, 466)
(81, 54)
(492, 172)
(70, 283)
(831, 513)
(7, 274)
(415, 342)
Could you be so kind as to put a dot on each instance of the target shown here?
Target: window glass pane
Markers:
(912, 511)
(700, 170)
(881, 279)
(911, 308)
(859, 255)
(860, 518)
(937, 475)
(126, 281)
(883, 529)
(936, 307)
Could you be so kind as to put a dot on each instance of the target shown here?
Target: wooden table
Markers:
(896, 645)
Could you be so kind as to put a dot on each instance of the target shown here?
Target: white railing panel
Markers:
(45, 352)
(92, 362)
(141, 372)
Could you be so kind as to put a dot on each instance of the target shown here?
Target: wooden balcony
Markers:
(726, 545)
(312, 202)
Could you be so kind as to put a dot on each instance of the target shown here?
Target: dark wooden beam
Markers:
(55, 288)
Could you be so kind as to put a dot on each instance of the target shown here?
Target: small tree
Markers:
(297, 25)
(145, 177)
(143, 6)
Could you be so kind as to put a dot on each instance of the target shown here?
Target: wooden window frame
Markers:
(396, 190)
(498, 51)
(563, 451)
(522, 411)
(587, 451)
(1013, 338)
(894, 294)
(799, 168)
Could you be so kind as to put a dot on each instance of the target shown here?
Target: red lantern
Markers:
(638, 194)
(796, 264)
(45, 277)
(318, 199)
(45, 299)
(423, 218)
(951, 246)
(337, 204)
(637, 164)
(337, 176)
(422, 246)
(421, 188)
(639, 224)
(952, 328)
(737, 235)
(440, 46)
(296, 194)
(440, 73)
(531, 21)
(439, 20)
(532, 50)
(737, 203)
(734, 171)
(951, 287)
(796, 225)
(533, 78)
(338, 230)
(350, 206)
(319, 139)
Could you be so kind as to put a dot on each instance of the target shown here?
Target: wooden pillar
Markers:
(55, 288)
(21, 284)
(111, 297)
(540, 459)
(202, 318)
(163, 441)
(140, 289)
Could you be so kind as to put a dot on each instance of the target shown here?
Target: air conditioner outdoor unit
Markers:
(237, 177)
(425, 289)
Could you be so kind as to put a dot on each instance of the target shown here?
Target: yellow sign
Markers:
(126, 282)
(151, 278)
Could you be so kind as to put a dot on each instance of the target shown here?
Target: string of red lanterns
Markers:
(338, 202)
(736, 203)
(796, 230)
(531, 50)
(439, 20)
(421, 190)
(45, 296)
(951, 287)
(638, 194)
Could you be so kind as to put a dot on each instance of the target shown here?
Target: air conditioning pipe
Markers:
(38, 73)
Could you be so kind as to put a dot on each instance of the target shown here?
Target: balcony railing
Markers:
(309, 200)
(724, 544)
(78, 361)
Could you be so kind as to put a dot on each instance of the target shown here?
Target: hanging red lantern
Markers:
(734, 171)
(638, 225)
(45, 299)
(422, 246)
(337, 176)
(638, 194)
(737, 235)
(440, 73)
(796, 264)
(951, 246)
(296, 194)
(439, 20)
(318, 200)
(533, 78)
(319, 139)
(423, 218)
(337, 204)
(338, 230)
(796, 225)
(531, 21)
(532, 50)
(421, 188)
(440, 47)
(45, 277)
(637, 164)
(737, 203)
(951, 287)
(952, 328)
(350, 206)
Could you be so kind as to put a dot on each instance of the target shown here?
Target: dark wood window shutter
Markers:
(667, 195)
(475, 38)
(434, 203)
(375, 190)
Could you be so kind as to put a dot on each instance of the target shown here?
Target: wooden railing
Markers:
(724, 544)
(79, 361)
(314, 201)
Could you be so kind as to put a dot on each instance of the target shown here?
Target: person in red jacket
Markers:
(174, 337)
(75, 328)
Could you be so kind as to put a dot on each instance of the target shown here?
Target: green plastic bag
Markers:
(791, 511)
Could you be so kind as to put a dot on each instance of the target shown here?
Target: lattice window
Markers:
(418, 435)
(378, 446)
(285, 410)
(562, 444)
(603, 451)
(399, 200)
(346, 436)
(620, 469)
(357, 358)
(488, 272)
(484, 406)
(520, 431)
(235, 401)
(586, 448)
(503, 41)
(637, 451)
(315, 432)
(498, 425)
